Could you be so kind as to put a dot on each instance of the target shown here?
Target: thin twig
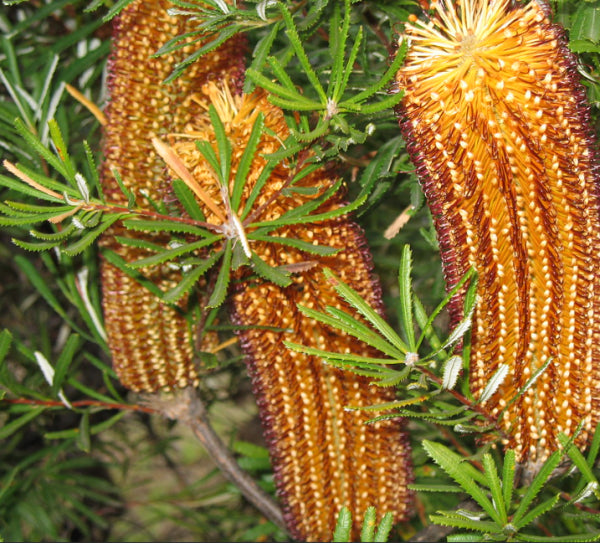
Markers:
(79, 403)
(189, 409)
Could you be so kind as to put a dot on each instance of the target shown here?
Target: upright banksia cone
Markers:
(324, 455)
(495, 122)
(151, 342)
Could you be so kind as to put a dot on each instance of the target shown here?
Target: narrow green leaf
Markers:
(296, 105)
(428, 330)
(467, 277)
(31, 218)
(508, 477)
(383, 105)
(579, 460)
(211, 157)
(171, 254)
(188, 200)
(591, 459)
(35, 245)
(24, 188)
(463, 522)
(54, 236)
(284, 78)
(90, 236)
(64, 361)
(301, 214)
(347, 323)
(63, 152)
(369, 522)
(151, 225)
(275, 89)
(385, 527)
(464, 538)
(435, 488)
(539, 510)
(405, 298)
(338, 34)
(343, 526)
(495, 487)
(355, 300)
(92, 173)
(279, 277)
(126, 192)
(536, 485)
(387, 77)
(349, 66)
(116, 260)
(594, 447)
(190, 278)
(222, 283)
(88, 391)
(344, 358)
(10, 428)
(391, 405)
(292, 34)
(264, 176)
(40, 284)
(246, 161)
(84, 441)
(5, 342)
(306, 246)
(260, 54)
(453, 465)
(223, 144)
(208, 46)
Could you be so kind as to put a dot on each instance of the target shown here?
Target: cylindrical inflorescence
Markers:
(324, 455)
(151, 341)
(495, 121)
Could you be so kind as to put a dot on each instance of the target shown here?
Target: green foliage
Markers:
(505, 512)
(370, 531)
(75, 447)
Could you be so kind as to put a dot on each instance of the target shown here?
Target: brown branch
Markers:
(477, 408)
(188, 408)
(80, 403)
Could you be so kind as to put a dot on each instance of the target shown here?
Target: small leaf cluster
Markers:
(371, 531)
(425, 379)
(504, 510)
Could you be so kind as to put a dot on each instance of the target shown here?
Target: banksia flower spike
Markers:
(324, 455)
(151, 341)
(496, 125)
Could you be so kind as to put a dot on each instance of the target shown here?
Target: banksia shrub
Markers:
(220, 215)
(495, 121)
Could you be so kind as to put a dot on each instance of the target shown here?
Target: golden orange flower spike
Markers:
(151, 342)
(324, 455)
(496, 124)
